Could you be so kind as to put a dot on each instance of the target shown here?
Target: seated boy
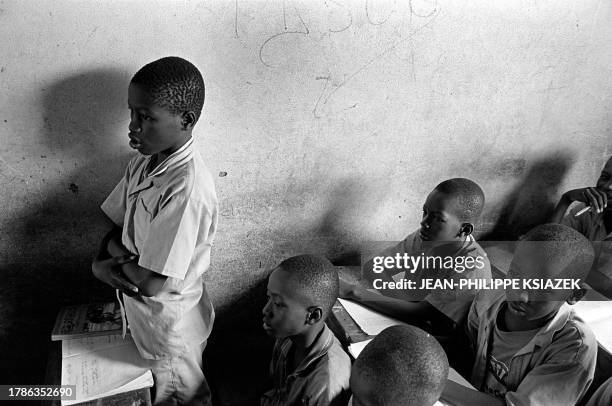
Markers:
(309, 366)
(402, 366)
(530, 347)
(449, 215)
(595, 224)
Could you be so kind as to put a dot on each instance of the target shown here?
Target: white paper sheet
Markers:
(370, 321)
(103, 366)
(596, 311)
(89, 344)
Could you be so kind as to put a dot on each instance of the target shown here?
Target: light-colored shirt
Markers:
(169, 218)
(554, 368)
(453, 303)
(504, 346)
(321, 379)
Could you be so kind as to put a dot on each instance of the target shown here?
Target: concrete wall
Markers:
(331, 121)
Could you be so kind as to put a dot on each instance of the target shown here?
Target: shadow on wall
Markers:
(342, 215)
(531, 202)
(334, 234)
(52, 240)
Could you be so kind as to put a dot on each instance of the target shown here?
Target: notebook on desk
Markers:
(104, 366)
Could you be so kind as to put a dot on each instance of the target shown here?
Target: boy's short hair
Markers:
(470, 197)
(315, 277)
(406, 365)
(569, 250)
(173, 83)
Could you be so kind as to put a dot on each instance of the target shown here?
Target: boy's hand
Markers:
(109, 272)
(348, 290)
(590, 196)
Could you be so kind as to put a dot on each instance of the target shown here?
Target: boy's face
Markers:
(153, 129)
(439, 222)
(604, 183)
(533, 304)
(285, 314)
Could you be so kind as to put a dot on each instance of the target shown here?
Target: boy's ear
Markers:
(466, 229)
(577, 294)
(188, 120)
(315, 314)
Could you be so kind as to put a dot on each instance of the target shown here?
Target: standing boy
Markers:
(309, 366)
(165, 214)
(530, 348)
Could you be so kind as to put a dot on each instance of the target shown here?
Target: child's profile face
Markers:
(285, 313)
(531, 304)
(604, 183)
(153, 129)
(439, 222)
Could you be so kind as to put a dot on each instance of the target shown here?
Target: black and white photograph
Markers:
(306, 202)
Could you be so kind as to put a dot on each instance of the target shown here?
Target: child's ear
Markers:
(577, 294)
(188, 120)
(466, 229)
(315, 314)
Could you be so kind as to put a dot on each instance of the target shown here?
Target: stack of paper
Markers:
(103, 366)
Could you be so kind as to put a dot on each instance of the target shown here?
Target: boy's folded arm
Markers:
(114, 245)
(149, 283)
(460, 395)
(396, 308)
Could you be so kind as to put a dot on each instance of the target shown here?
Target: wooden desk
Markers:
(344, 327)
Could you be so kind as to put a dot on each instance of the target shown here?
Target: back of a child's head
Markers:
(315, 278)
(560, 247)
(173, 83)
(469, 197)
(402, 366)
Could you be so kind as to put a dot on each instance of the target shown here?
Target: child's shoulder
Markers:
(335, 362)
(575, 334)
(338, 359)
(137, 163)
(332, 373)
(193, 180)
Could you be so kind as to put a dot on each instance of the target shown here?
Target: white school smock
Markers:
(169, 218)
